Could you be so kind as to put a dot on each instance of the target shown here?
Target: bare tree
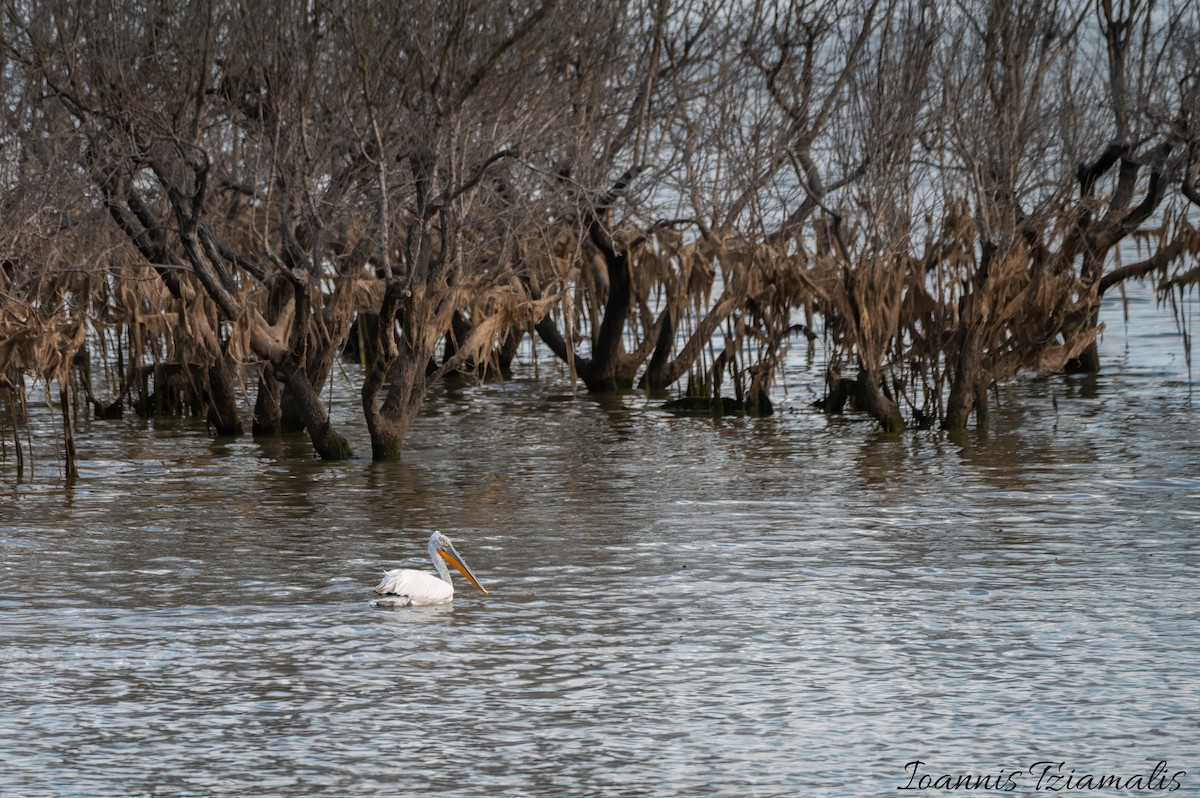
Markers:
(657, 212)
(447, 116)
(621, 91)
(847, 81)
(1058, 86)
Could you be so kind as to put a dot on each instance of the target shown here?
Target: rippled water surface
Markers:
(779, 607)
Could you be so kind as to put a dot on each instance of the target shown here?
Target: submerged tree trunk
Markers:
(874, 401)
(968, 372)
(329, 444)
(64, 396)
(222, 399)
(1088, 361)
(664, 371)
(267, 412)
(270, 417)
(399, 362)
(608, 367)
(14, 402)
(389, 422)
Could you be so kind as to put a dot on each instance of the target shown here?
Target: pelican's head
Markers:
(440, 546)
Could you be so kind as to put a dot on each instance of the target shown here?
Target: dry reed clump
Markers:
(46, 289)
(170, 342)
(860, 293)
(762, 285)
(32, 344)
(41, 332)
(1175, 241)
(488, 317)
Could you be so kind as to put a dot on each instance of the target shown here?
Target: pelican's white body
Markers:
(404, 587)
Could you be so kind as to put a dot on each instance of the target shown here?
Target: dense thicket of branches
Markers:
(214, 199)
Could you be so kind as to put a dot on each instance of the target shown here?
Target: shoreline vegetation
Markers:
(665, 195)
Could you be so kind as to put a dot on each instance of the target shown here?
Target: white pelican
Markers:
(406, 588)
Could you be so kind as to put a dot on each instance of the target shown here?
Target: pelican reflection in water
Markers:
(403, 587)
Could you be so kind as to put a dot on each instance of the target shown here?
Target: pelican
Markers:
(402, 587)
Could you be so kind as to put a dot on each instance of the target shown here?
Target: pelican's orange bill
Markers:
(456, 561)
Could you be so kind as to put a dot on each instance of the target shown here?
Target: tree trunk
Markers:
(64, 396)
(291, 418)
(329, 444)
(266, 405)
(1087, 361)
(657, 376)
(609, 368)
(872, 399)
(276, 411)
(507, 352)
(387, 424)
(15, 414)
(664, 372)
(222, 399)
(963, 387)
(401, 361)
(838, 390)
(982, 415)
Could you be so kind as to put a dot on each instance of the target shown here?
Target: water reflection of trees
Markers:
(205, 203)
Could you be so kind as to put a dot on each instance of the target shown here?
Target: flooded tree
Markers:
(850, 116)
(1078, 144)
(658, 244)
(454, 99)
(608, 156)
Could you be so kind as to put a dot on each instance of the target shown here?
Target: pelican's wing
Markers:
(389, 582)
(417, 587)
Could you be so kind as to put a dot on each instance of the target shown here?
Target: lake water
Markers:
(791, 606)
